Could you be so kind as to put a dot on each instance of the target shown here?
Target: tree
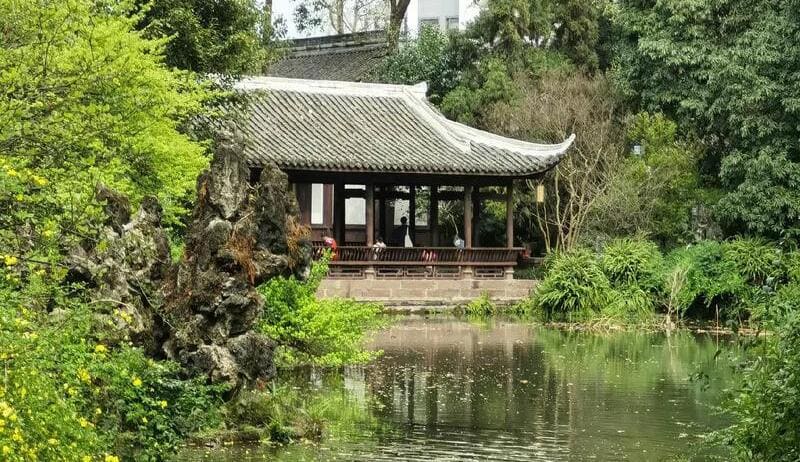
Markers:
(726, 72)
(653, 192)
(397, 13)
(220, 37)
(87, 100)
(550, 109)
(577, 33)
(341, 16)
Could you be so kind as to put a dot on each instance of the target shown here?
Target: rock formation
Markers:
(202, 310)
(126, 268)
(240, 236)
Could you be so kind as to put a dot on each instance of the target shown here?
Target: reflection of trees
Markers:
(545, 384)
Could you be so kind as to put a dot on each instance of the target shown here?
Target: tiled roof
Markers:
(361, 127)
(348, 57)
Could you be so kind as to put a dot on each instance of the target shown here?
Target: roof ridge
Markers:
(339, 87)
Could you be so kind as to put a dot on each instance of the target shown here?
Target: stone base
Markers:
(427, 292)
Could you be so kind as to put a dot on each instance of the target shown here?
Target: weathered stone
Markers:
(214, 361)
(126, 272)
(202, 310)
(253, 352)
(239, 237)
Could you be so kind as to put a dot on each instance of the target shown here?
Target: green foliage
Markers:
(316, 331)
(736, 91)
(653, 193)
(88, 100)
(220, 37)
(434, 58)
(712, 280)
(481, 306)
(633, 262)
(68, 394)
(578, 32)
(575, 286)
(766, 407)
(491, 83)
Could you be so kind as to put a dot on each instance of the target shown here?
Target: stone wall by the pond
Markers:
(410, 292)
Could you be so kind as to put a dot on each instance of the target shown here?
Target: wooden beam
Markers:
(369, 208)
(443, 195)
(312, 176)
(433, 216)
(339, 213)
(468, 217)
(510, 215)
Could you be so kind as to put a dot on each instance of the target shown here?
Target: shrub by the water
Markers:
(633, 262)
(766, 408)
(574, 287)
(316, 331)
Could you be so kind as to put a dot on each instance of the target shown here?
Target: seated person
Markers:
(330, 243)
(378, 248)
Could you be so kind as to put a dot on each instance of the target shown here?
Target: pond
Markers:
(448, 389)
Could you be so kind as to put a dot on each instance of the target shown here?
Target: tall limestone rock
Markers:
(240, 236)
(202, 310)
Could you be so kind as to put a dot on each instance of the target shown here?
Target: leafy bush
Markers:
(766, 408)
(756, 260)
(73, 396)
(633, 262)
(574, 285)
(481, 306)
(316, 331)
(712, 280)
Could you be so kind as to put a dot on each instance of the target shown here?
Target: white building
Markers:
(447, 14)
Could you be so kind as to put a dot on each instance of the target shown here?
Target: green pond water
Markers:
(451, 390)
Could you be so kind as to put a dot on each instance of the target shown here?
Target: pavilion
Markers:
(359, 155)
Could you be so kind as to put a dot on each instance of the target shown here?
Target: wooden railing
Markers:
(427, 256)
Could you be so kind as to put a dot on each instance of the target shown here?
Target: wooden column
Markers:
(338, 213)
(433, 216)
(468, 217)
(369, 209)
(303, 193)
(510, 215)
(476, 216)
(382, 214)
(412, 213)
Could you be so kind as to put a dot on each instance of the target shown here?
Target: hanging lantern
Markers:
(540, 193)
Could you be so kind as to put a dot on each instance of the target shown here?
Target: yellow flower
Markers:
(84, 423)
(20, 197)
(10, 260)
(98, 411)
(163, 404)
(137, 382)
(52, 442)
(11, 172)
(100, 348)
(84, 376)
(144, 419)
(86, 459)
(6, 450)
(39, 180)
(110, 458)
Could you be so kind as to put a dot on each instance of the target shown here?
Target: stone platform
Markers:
(427, 292)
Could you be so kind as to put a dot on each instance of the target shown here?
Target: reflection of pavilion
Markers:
(361, 155)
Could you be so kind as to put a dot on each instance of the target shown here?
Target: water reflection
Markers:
(453, 390)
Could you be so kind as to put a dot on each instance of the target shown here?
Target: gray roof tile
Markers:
(346, 126)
